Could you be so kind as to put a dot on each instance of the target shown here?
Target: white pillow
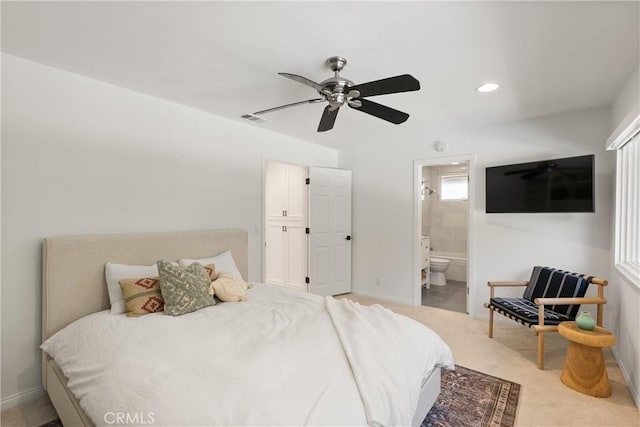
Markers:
(116, 272)
(223, 262)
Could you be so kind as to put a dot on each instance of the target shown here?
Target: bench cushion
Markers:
(524, 311)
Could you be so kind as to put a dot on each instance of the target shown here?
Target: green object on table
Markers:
(585, 321)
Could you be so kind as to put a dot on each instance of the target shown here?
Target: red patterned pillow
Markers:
(142, 296)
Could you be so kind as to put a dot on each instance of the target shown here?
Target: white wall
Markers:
(627, 101)
(622, 293)
(81, 156)
(506, 246)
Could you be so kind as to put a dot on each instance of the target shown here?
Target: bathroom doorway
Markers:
(443, 230)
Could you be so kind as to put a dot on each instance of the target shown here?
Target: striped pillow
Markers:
(547, 282)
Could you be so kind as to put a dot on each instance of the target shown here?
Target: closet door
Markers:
(295, 223)
(295, 256)
(285, 223)
(275, 250)
(296, 209)
(276, 190)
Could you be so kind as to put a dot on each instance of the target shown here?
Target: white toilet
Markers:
(438, 266)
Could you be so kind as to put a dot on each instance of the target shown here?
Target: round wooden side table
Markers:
(584, 368)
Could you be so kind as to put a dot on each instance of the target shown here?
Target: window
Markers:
(454, 187)
(626, 141)
(627, 238)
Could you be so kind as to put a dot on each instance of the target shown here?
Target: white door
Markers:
(285, 192)
(274, 254)
(276, 190)
(329, 231)
(296, 256)
(296, 209)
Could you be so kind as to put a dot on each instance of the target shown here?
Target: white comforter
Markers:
(280, 358)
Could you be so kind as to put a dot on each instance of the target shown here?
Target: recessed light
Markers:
(487, 87)
(455, 163)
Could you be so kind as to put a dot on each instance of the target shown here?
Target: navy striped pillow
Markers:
(547, 282)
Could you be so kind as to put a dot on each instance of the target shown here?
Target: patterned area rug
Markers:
(471, 398)
(468, 399)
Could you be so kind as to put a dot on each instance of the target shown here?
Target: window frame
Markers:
(627, 203)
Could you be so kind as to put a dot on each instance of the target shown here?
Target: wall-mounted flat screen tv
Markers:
(558, 185)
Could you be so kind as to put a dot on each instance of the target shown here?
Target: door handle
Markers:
(347, 238)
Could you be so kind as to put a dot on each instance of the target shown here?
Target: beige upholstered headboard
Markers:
(73, 281)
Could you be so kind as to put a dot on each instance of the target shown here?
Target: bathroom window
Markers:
(627, 237)
(454, 187)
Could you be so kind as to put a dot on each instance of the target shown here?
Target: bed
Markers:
(74, 288)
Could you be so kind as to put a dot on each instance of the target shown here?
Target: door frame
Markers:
(417, 224)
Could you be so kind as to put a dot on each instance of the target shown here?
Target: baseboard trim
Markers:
(380, 297)
(22, 397)
(634, 393)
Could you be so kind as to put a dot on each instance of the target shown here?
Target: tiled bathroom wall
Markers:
(448, 225)
(446, 221)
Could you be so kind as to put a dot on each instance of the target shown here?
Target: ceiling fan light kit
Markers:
(338, 91)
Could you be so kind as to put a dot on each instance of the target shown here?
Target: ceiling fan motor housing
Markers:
(334, 90)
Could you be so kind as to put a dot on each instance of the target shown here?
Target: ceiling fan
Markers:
(338, 91)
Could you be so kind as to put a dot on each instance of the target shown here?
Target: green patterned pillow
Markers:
(184, 289)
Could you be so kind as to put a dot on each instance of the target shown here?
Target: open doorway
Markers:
(443, 230)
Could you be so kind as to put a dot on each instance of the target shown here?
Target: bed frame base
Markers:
(66, 404)
(428, 395)
(72, 415)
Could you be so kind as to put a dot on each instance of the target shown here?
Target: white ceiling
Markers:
(222, 57)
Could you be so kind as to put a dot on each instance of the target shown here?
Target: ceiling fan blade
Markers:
(381, 111)
(293, 104)
(328, 118)
(403, 83)
(304, 81)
